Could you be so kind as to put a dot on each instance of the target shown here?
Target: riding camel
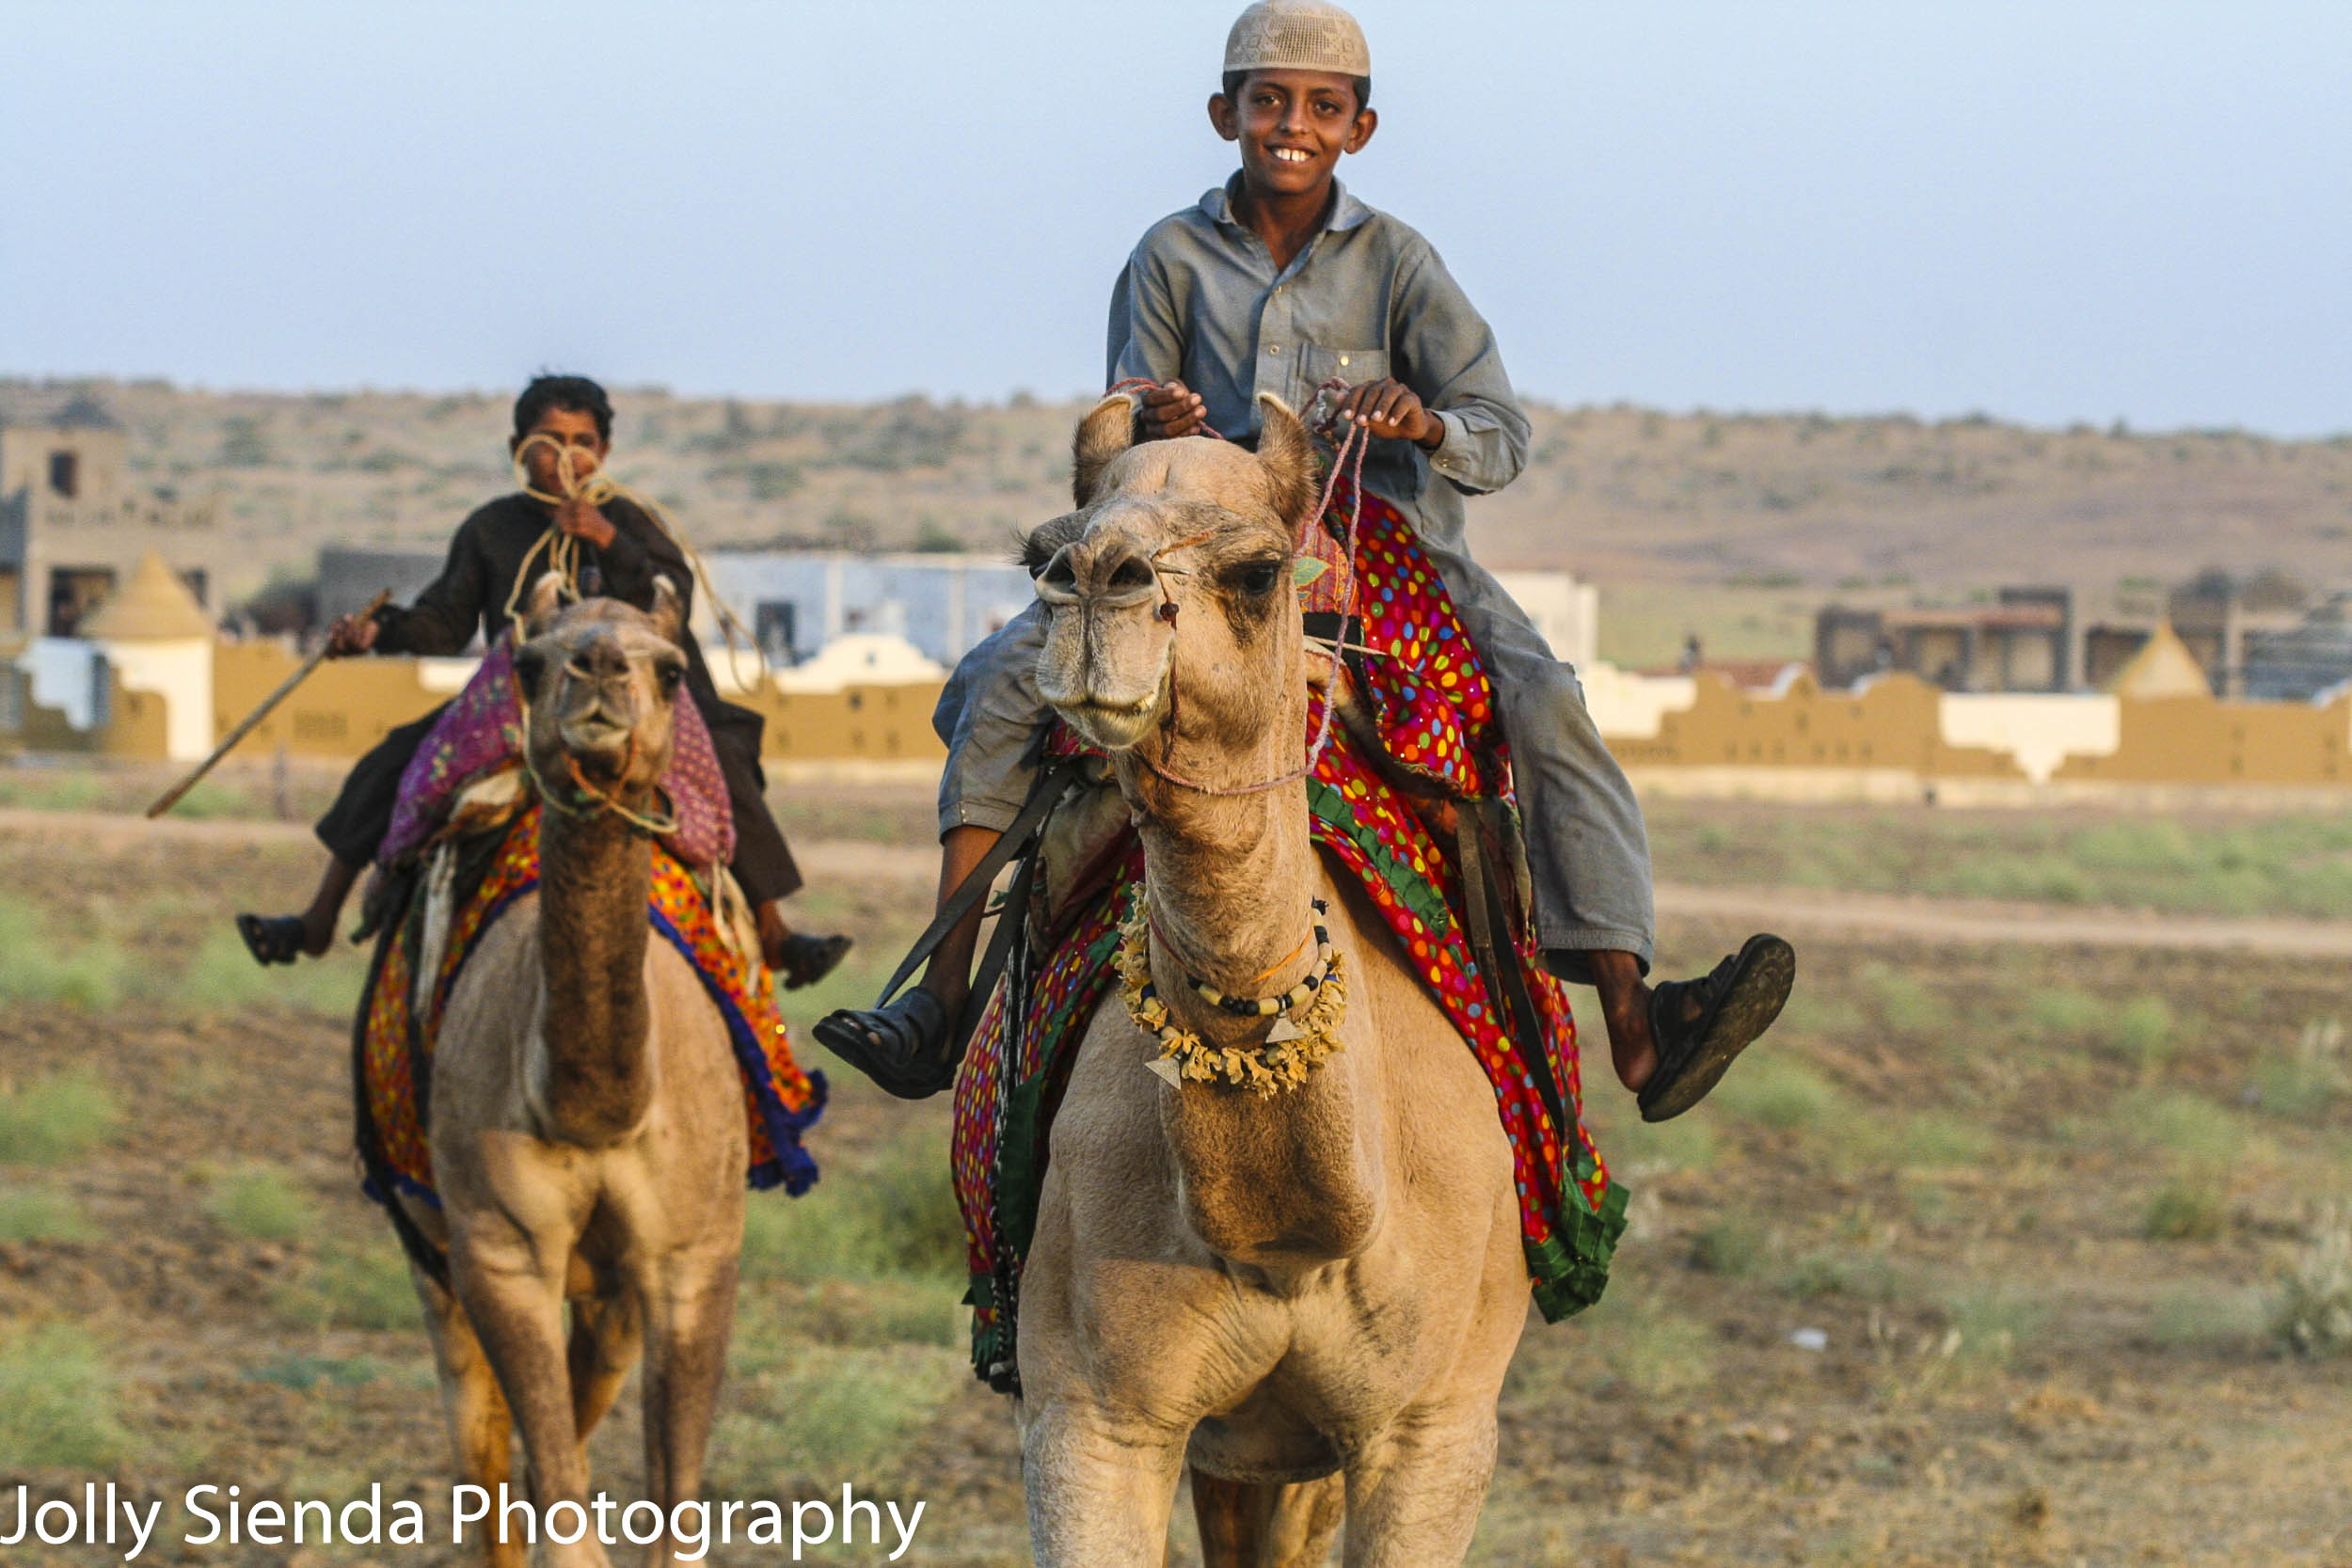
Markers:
(587, 1134)
(1310, 1296)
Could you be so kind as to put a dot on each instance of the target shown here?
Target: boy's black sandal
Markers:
(808, 959)
(901, 1045)
(1735, 1004)
(272, 938)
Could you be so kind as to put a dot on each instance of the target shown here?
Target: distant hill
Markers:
(1622, 495)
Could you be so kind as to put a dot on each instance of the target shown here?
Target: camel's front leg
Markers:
(690, 1314)
(1413, 1497)
(1101, 1485)
(513, 1296)
(481, 1433)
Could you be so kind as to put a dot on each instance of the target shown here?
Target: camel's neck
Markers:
(595, 874)
(1286, 1181)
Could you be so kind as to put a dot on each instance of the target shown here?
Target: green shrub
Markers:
(826, 1413)
(55, 1118)
(223, 977)
(51, 792)
(1731, 1247)
(262, 1204)
(2184, 1210)
(1780, 1093)
(1905, 1006)
(1861, 1275)
(1933, 1140)
(2308, 1079)
(33, 1215)
(365, 1285)
(897, 1216)
(2200, 1134)
(56, 1404)
(92, 975)
(2141, 1031)
(1995, 1324)
(2063, 1013)
(2200, 1317)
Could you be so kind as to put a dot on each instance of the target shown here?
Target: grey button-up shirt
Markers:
(1202, 302)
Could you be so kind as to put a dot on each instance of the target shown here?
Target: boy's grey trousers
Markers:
(1587, 850)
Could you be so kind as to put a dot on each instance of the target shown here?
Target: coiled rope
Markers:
(562, 550)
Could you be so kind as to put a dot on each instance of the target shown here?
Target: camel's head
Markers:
(1175, 573)
(600, 678)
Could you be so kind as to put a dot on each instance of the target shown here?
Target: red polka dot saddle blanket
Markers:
(396, 1034)
(1414, 672)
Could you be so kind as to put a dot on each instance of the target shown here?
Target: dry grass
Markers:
(1940, 1168)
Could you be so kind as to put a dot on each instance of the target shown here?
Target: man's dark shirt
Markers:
(479, 577)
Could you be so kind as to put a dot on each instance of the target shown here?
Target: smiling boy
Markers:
(1281, 281)
(556, 415)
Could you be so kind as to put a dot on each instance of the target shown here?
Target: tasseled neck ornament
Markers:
(1306, 1019)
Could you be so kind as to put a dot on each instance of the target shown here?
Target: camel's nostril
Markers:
(1133, 571)
(1060, 572)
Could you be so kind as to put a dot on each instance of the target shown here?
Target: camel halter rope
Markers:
(562, 550)
(1347, 459)
(593, 802)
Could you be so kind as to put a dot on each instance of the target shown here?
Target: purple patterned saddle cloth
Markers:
(481, 733)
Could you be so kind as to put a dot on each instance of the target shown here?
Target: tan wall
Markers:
(871, 723)
(137, 724)
(347, 706)
(1891, 723)
(2205, 740)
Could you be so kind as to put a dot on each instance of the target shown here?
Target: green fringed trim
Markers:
(992, 1336)
(1021, 1163)
(1571, 1269)
(1414, 891)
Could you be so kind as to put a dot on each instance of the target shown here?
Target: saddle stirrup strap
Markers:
(1044, 795)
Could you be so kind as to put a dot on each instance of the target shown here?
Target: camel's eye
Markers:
(1255, 578)
(530, 664)
(669, 672)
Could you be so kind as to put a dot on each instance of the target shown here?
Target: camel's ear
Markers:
(1109, 429)
(668, 614)
(530, 662)
(1289, 459)
(547, 598)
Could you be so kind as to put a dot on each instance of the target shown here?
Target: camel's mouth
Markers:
(592, 737)
(1112, 726)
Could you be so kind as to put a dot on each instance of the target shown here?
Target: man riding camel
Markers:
(563, 433)
(1282, 281)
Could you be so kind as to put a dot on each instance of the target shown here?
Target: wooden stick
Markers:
(170, 798)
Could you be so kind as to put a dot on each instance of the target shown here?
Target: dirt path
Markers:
(1881, 916)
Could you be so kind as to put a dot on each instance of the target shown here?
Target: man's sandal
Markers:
(903, 1047)
(1737, 1002)
(272, 938)
(808, 959)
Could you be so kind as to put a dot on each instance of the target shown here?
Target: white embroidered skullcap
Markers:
(1297, 35)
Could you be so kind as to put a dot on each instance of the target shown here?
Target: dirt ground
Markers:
(1982, 1260)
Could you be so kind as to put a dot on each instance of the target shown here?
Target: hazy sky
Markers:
(2050, 211)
